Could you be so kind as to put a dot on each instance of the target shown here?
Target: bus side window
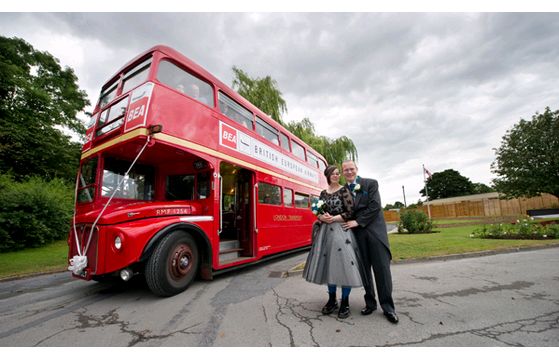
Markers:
(172, 75)
(234, 111)
(203, 185)
(298, 150)
(312, 159)
(285, 142)
(179, 187)
(269, 194)
(267, 131)
(301, 200)
(288, 197)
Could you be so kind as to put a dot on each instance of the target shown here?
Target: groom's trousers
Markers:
(375, 255)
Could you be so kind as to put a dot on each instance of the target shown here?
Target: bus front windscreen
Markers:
(86, 185)
(137, 185)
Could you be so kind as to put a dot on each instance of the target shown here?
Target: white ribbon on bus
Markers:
(79, 262)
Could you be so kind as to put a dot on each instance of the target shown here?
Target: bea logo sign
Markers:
(228, 136)
(136, 112)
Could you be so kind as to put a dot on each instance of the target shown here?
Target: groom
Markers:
(370, 231)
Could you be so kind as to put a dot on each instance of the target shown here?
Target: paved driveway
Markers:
(499, 300)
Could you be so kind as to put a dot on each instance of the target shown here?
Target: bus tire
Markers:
(173, 265)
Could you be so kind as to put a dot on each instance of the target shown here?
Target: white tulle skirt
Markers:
(334, 257)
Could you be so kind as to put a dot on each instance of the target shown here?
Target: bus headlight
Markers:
(126, 274)
(118, 242)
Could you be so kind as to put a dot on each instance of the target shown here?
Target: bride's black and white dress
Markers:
(334, 256)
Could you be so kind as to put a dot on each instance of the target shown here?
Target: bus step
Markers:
(228, 245)
(229, 250)
(240, 258)
(228, 255)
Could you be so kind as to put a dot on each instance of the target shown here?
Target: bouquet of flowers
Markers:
(317, 207)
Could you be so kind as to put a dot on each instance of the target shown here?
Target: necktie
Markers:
(351, 187)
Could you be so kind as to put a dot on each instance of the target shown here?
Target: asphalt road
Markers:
(499, 300)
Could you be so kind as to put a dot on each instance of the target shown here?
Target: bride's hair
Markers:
(328, 171)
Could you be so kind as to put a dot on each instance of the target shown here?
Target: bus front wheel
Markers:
(173, 264)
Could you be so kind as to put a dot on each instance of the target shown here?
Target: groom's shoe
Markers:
(368, 310)
(392, 317)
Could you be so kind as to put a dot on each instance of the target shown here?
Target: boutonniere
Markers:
(357, 188)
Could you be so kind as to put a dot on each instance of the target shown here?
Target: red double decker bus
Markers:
(180, 176)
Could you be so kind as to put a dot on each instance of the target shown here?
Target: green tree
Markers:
(448, 183)
(37, 99)
(480, 188)
(335, 151)
(419, 204)
(397, 205)
(261, 92)
(527, 163)
(264, 94)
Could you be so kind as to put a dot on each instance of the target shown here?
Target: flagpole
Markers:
(426, 192)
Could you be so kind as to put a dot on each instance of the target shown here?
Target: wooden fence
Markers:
(487, 207)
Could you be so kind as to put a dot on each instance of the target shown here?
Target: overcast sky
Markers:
(439, 89)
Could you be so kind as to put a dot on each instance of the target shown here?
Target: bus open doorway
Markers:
(236, 238)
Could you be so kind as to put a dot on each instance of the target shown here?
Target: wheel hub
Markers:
(180, 263)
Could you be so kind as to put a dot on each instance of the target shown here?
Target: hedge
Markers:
(33, 213)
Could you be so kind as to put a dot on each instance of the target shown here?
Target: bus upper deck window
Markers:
(107, 96)
(136, 76)
(234, 110)
(267, 131)
(285, 142)
(298, 150)
(170, 74)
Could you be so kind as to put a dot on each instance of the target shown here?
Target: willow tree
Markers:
(265, 94)
(335, 151)
(261, 92)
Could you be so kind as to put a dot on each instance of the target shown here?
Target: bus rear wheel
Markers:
(173, 264)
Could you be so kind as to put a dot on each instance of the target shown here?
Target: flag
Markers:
(427, 172)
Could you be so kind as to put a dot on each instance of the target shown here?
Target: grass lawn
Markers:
(449, 241)
(52, 257)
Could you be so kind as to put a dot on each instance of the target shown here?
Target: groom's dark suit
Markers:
(372, 239)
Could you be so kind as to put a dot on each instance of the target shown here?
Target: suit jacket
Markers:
(367, 211)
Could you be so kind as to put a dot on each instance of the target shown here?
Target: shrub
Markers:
(522, 229)
(33, 213)
(412, 221)
(552, 231)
